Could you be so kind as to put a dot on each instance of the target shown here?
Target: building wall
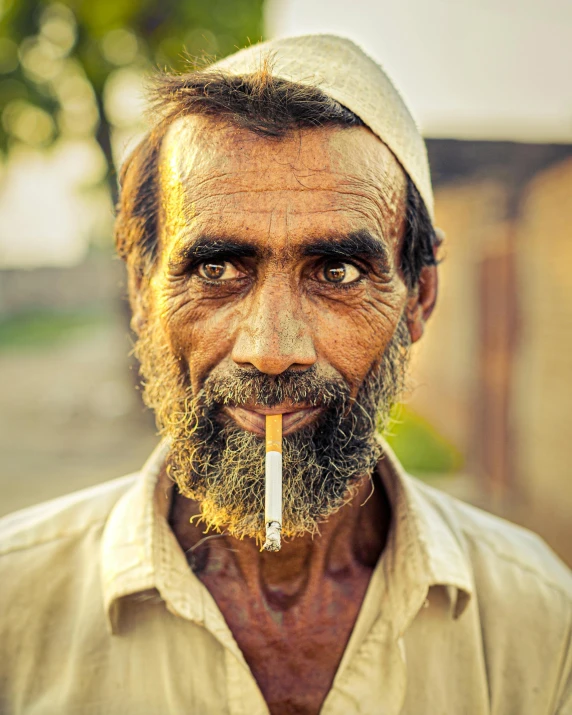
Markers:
(445, 366)
(542, 406)
(494, 370)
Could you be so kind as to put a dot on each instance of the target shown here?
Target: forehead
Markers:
(215, 173)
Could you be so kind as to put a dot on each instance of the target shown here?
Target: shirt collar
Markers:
(139, 552)
(423, 548)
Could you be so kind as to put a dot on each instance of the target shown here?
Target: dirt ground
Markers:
(69, 416)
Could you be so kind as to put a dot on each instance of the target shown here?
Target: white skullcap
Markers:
(344, 72)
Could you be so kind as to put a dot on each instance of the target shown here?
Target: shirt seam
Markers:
(523, 566)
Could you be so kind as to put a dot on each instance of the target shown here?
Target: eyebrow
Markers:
(357, 243)
(209, 248)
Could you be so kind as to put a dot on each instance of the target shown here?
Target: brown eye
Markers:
(222, 271)
(213, 270)
(339, 272)
(335, 272)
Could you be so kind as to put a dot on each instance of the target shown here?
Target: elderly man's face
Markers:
(278, 277)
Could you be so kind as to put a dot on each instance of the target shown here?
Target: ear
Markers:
(135, 280)
(421, 302)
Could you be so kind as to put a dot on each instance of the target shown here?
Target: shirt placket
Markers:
(188, 598)
(244, 696)
(374, 681)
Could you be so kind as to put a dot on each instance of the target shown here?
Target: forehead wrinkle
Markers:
(239, 182)
(374, 192)
(189, 156)
(386, 197)
(188, 205)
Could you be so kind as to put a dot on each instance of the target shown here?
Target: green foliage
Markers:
(421, 449)
(38, 329)
(56, 57)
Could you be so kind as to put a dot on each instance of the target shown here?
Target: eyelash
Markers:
(363, 271)
(192, 270)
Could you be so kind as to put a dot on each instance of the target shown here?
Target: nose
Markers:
(274, 336)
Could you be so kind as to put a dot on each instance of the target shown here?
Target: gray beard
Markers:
(221, 466)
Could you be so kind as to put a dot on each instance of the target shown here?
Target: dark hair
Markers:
(263, 104)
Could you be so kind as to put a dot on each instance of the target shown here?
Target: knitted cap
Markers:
(343, 71)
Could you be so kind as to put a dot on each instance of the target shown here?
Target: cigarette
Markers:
(273, 484)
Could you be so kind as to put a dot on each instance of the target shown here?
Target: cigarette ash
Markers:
(272, 542)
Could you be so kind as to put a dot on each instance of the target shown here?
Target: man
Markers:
(276, 226)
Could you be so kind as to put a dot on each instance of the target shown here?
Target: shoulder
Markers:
(522, 599)
(515, 615)
(50, 555)
(51, 582)
(498, 544)
(68, 517)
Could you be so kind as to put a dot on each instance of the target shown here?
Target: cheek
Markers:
(353, 336)
(199, 332)
(350, 333)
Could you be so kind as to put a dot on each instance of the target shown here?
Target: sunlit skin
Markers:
(298, 295)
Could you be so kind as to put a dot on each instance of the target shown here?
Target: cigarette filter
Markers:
(273, 485)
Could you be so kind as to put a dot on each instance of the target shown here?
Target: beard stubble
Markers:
(222, 467)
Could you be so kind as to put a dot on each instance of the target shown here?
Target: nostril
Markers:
(273, 364)
(273, 341)
(299, 367)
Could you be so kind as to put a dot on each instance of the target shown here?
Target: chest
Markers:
(294, 652)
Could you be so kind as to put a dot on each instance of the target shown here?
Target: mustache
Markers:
(247, 386)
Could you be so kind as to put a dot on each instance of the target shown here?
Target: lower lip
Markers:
(256, 422)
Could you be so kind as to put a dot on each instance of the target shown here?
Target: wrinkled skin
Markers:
(291, 613)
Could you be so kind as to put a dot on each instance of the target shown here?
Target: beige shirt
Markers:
(101, 615)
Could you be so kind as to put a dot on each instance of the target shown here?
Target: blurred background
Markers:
(488, 418)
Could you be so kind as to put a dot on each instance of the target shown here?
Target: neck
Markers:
(351, 539)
